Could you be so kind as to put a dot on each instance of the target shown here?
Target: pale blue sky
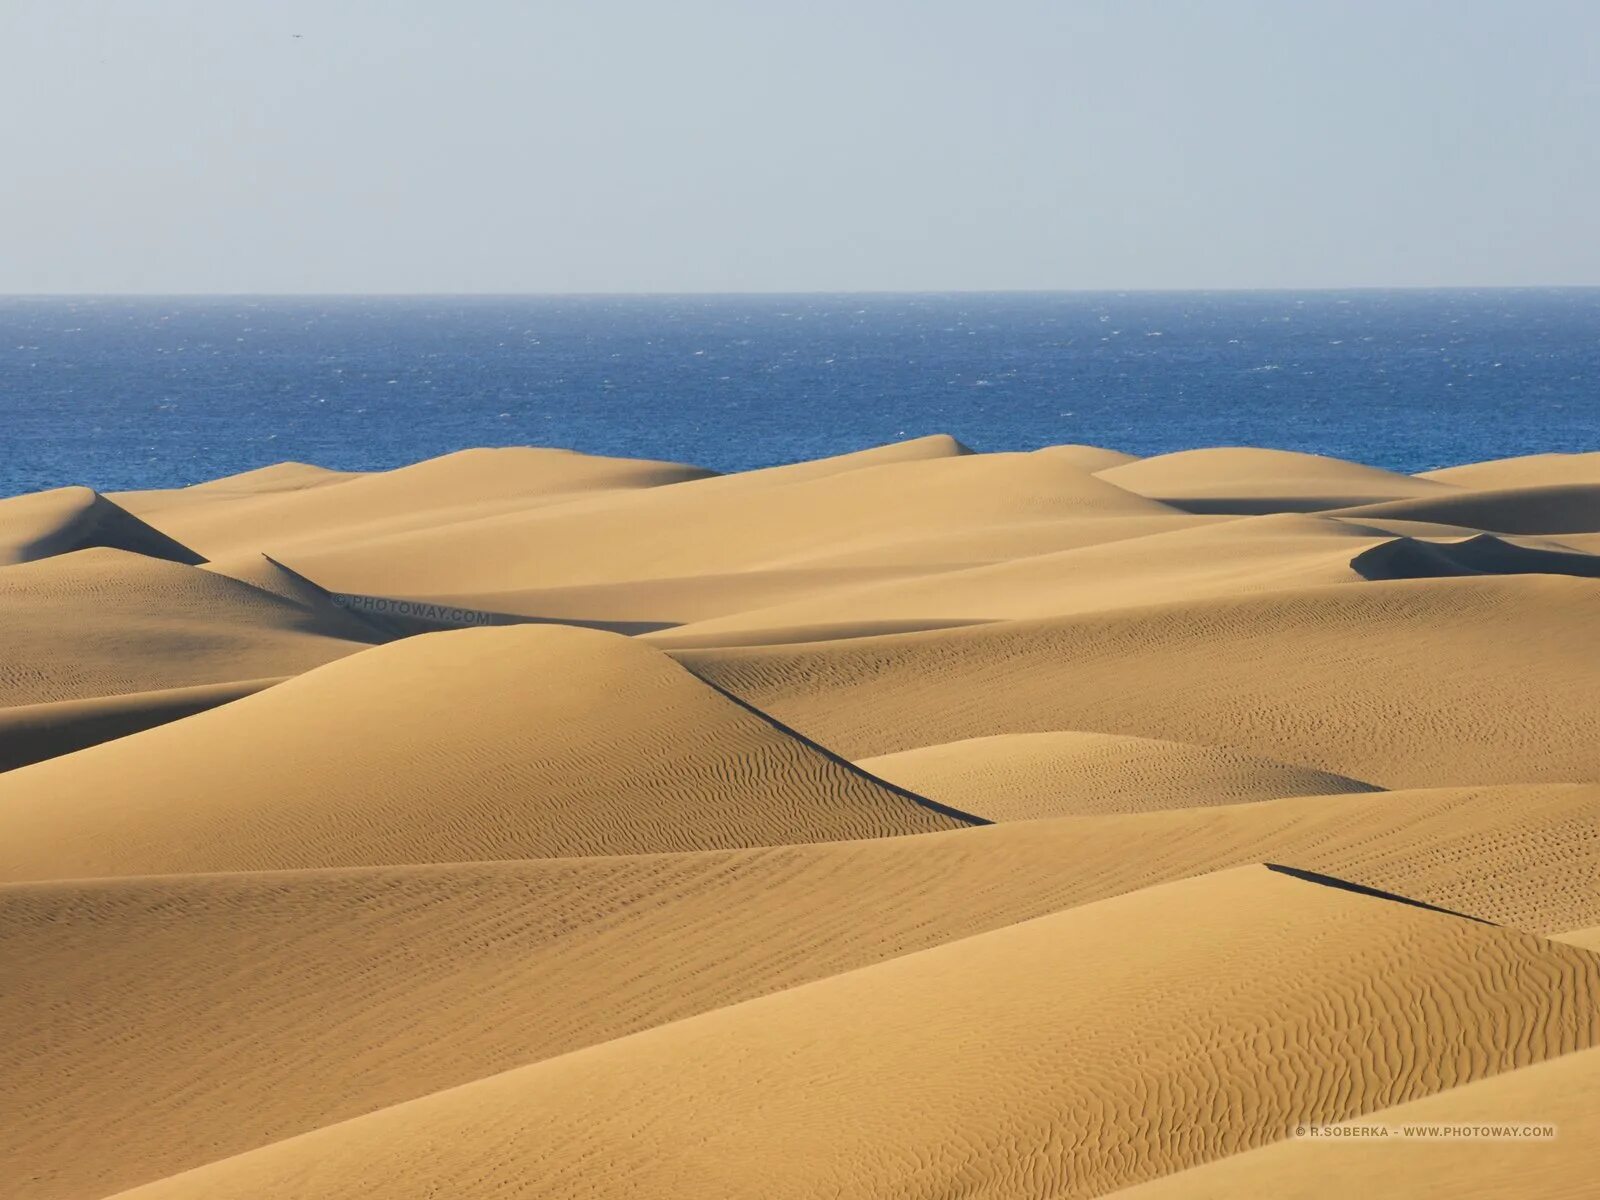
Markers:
(620, 145)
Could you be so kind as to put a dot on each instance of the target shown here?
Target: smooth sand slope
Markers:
(913, 822)
(1241, 479)
(522, 742)
(1090, 458)
(269, 513)
(1563, 1092)
(277, 477)
(1026, 776)
(1531, 470)
(1062, 1056)
(1399, 684)
(328, 975)
(1588, 938)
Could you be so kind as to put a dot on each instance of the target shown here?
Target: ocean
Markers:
(159, 392)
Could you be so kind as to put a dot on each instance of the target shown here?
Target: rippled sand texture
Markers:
(916, 823)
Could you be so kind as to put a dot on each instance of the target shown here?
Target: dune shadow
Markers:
(1484, 554)
(1362, 889)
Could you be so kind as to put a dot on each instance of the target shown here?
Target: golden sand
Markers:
(913, 823)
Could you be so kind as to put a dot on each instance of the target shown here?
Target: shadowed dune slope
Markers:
(1532, 470)
(461, 971)
(1564, 1092)
(895, 513)
(31, 733)
(266, 573)
(1400, 684)
(1026, 776)
(1408, 558)
(44, 524)
(1545, 509)
(1062, 1056)
(1242, 479)
(515, 742)
(106, 622)
(222, 519)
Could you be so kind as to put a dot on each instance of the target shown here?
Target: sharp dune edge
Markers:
(915, 822)
(74, 518)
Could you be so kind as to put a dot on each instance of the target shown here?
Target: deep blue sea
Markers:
(148, 392)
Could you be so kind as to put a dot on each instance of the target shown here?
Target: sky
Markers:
(424, 146)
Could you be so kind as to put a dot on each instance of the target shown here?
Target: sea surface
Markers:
(157, 392)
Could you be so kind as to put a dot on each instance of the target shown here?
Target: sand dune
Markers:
(524, 742)
(278, 477)
(1411, 683)
(225, 520)
(1563, 1092)
(921, 449)
(1544, 509)
(733, 524)
(1531, 470)
(327, 973)
(1234, 557)
(1411, 558)
(76, 518)
(1026, 776)
(1226, 558)
(1239, 479)
(1061, 1056)
(647, 605)
(1089, 458)
(107, 622)
(912, 822)
(266, 574)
